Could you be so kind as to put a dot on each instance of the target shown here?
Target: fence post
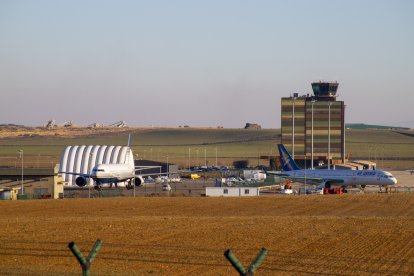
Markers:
(258, 261)
(85, 263)
(235, 262)
(252, 267)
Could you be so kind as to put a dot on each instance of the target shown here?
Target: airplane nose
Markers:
(394, 180)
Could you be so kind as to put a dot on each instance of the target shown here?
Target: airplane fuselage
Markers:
(349, 177)
(112, 173)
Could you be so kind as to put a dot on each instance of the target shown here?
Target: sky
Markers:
(202, 63)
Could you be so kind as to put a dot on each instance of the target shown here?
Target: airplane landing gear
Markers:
(129, 185)
(116, 185)
(382, 189)
(98, 188)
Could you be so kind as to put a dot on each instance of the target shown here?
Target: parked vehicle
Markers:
(166, 187)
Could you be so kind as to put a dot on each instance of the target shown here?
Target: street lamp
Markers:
(168, 169)
(293, 126)
(344, 135)
(21, 157)
(305, 175)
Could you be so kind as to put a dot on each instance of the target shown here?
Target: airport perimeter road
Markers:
(186, 187)
(404, 178)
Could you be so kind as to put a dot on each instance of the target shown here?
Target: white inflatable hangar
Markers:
(82, 159)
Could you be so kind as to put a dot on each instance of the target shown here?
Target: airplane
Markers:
(328, 178)
(112, 173)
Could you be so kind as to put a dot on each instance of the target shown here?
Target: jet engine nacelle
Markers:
(139, 181)
(80, 181)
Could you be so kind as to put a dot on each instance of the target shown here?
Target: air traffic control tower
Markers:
(313, 126)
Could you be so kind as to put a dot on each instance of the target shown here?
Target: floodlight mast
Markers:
(21, 157)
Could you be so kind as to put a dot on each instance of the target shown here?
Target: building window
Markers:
(246, 192)
(225, 191)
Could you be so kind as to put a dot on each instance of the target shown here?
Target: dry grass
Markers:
(343, 235)
(15, 131)
(232, 144)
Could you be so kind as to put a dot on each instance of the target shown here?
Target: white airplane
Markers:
(111, 174)
(329, 178)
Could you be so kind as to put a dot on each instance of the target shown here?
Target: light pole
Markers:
(313, 102)
(205, 157)
(344, 129)
(216, 156)
(189, 159)
(329, 136)
(293, 127)
(168, 169)
(21, 157)
(305, 174)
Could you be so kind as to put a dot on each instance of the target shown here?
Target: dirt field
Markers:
(342, 235)
(16, 131)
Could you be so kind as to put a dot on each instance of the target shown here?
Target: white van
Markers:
(166, 187)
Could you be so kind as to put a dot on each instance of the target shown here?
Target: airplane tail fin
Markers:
(128, 149)
(287, 162)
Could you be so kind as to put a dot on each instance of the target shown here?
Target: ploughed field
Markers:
(343, 235)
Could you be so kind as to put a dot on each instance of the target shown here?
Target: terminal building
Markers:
(313, 126)
(36, 183)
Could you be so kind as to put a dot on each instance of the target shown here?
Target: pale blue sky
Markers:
(202, 63)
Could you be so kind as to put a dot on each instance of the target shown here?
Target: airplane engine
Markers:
(139, 181)
(80, 181)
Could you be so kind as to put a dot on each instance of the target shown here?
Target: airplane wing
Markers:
(146, 174)
(80, 174)
(143, 168)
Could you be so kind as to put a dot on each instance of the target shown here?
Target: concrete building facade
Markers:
(37, 183)
(314, 125)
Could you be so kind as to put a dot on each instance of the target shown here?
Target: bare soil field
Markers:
(17, 131)
(341, 235)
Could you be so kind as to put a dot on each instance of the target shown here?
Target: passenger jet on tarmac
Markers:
(328, 178)
(111, 174)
